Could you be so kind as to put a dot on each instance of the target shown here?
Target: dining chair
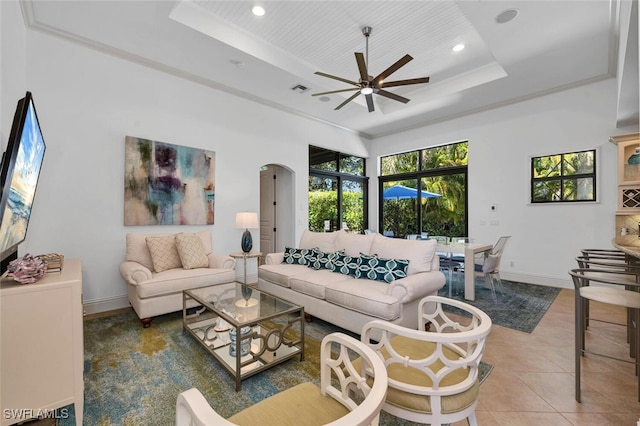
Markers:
(433, 375)
(346, 397)
(613, 288)
(489, 267)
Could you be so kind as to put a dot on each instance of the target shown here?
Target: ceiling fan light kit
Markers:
(368, 85)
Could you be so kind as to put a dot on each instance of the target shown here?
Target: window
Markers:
(337, 191)
(424, 191)
(562, 178)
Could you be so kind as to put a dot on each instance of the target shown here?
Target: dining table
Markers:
(469, 251)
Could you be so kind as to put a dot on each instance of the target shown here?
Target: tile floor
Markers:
(532, 382)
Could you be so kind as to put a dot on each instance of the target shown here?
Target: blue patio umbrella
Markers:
(401, 192)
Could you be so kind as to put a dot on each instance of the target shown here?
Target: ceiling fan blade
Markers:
(362, 66)
(405, 82)
(335, 91)
(369, 102)
(393, 68)
(347, 101)
(392, 96)
(336, 78)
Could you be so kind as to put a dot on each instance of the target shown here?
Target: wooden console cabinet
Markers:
(41, 346)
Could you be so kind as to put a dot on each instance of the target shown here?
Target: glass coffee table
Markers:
(246, 330)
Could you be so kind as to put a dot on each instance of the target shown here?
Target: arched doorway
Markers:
(277, 222)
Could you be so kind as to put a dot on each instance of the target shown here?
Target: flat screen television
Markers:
(19, 174)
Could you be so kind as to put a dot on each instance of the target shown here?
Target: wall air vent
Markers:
(299, 88)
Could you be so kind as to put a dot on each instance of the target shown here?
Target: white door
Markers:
(268, 210)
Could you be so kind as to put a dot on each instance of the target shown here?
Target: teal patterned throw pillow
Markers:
(366, 264)
(325, 260)
(295, 256)
(345, 264)
(380, 269)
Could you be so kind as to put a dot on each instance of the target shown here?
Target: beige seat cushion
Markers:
(300, 405)
(366, 296)
(314, 282)
(280, 273)
(417, 349)
(176, 280)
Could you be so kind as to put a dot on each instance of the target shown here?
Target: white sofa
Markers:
(347, 301)
(176, 262)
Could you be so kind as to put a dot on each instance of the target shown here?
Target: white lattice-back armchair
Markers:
(344, 398)
(433, 375)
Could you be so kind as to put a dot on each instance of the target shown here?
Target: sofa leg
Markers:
(146, 322)
(308, 317)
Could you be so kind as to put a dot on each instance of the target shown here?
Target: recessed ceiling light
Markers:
(458, 47)
(258, 10)
(507, 15)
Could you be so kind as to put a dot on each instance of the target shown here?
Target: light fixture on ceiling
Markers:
(258, 10)
(368, 85)
(458, 47)
(507, 15)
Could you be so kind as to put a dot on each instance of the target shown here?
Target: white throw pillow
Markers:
(419, 252)
(324, 241)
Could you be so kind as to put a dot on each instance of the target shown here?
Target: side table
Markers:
(244, 256)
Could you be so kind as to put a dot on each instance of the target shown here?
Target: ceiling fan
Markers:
(367, 85)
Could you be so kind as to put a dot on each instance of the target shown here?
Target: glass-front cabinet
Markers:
(628, 209)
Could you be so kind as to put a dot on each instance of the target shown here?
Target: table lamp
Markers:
(246, 220)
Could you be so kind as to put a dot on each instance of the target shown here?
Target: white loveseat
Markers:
(341, 298)
(157, 268)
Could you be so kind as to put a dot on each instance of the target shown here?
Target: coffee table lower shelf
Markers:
(273, 338)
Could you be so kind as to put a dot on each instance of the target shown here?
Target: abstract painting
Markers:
(166, 184)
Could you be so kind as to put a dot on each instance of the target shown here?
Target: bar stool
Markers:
(617, 295)
(609, 263)
(604, 252)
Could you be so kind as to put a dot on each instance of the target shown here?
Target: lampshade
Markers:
(247, 220)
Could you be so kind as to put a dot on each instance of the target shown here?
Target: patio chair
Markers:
(344, 398)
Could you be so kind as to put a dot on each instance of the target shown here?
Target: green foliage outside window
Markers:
(440, 170)
(335, 177)
(565, 177)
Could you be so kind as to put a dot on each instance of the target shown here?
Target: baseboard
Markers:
(537, 279)
(104, 305)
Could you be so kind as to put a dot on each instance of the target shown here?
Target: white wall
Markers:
(545, 238)
(89, 101)
(12, 65)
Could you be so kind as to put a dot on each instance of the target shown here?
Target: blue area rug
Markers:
(520, 307)
(133, 375)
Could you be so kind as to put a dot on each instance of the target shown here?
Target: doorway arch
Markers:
(277, 212)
